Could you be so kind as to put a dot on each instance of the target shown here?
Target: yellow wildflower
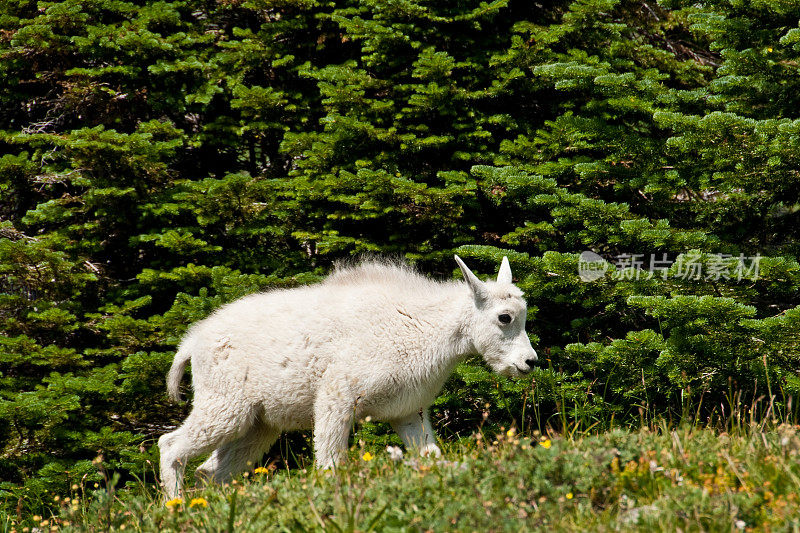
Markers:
(570, 495)
(368, 456)
(261, 470)
(198, 502)
(174, 502)
(511, 432)
(546, 443)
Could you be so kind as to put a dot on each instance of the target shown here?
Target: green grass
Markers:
(657, 479)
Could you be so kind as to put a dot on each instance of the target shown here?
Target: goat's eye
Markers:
(504, 318)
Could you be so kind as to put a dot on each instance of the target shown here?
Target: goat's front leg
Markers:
(416, 432)
(333, 417)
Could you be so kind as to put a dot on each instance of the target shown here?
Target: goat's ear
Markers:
(504, 274)
(476, 286)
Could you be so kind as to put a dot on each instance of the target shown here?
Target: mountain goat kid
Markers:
(377, 340)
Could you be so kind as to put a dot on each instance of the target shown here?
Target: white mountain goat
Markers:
(374, 340)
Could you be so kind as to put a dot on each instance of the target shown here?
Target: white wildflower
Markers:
(395, 453)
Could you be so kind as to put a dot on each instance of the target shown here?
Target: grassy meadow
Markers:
(654, 479)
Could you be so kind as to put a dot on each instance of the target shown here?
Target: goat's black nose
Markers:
(531, 362)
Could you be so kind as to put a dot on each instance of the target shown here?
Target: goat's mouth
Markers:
(521, 371)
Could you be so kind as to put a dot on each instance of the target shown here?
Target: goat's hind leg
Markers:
(199, 434)
(235, 456)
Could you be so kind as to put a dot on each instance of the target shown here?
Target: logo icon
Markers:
(591, 266)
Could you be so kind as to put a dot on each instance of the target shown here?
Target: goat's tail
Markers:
(176, 372)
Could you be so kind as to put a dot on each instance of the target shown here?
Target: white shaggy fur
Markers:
(373, 340)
